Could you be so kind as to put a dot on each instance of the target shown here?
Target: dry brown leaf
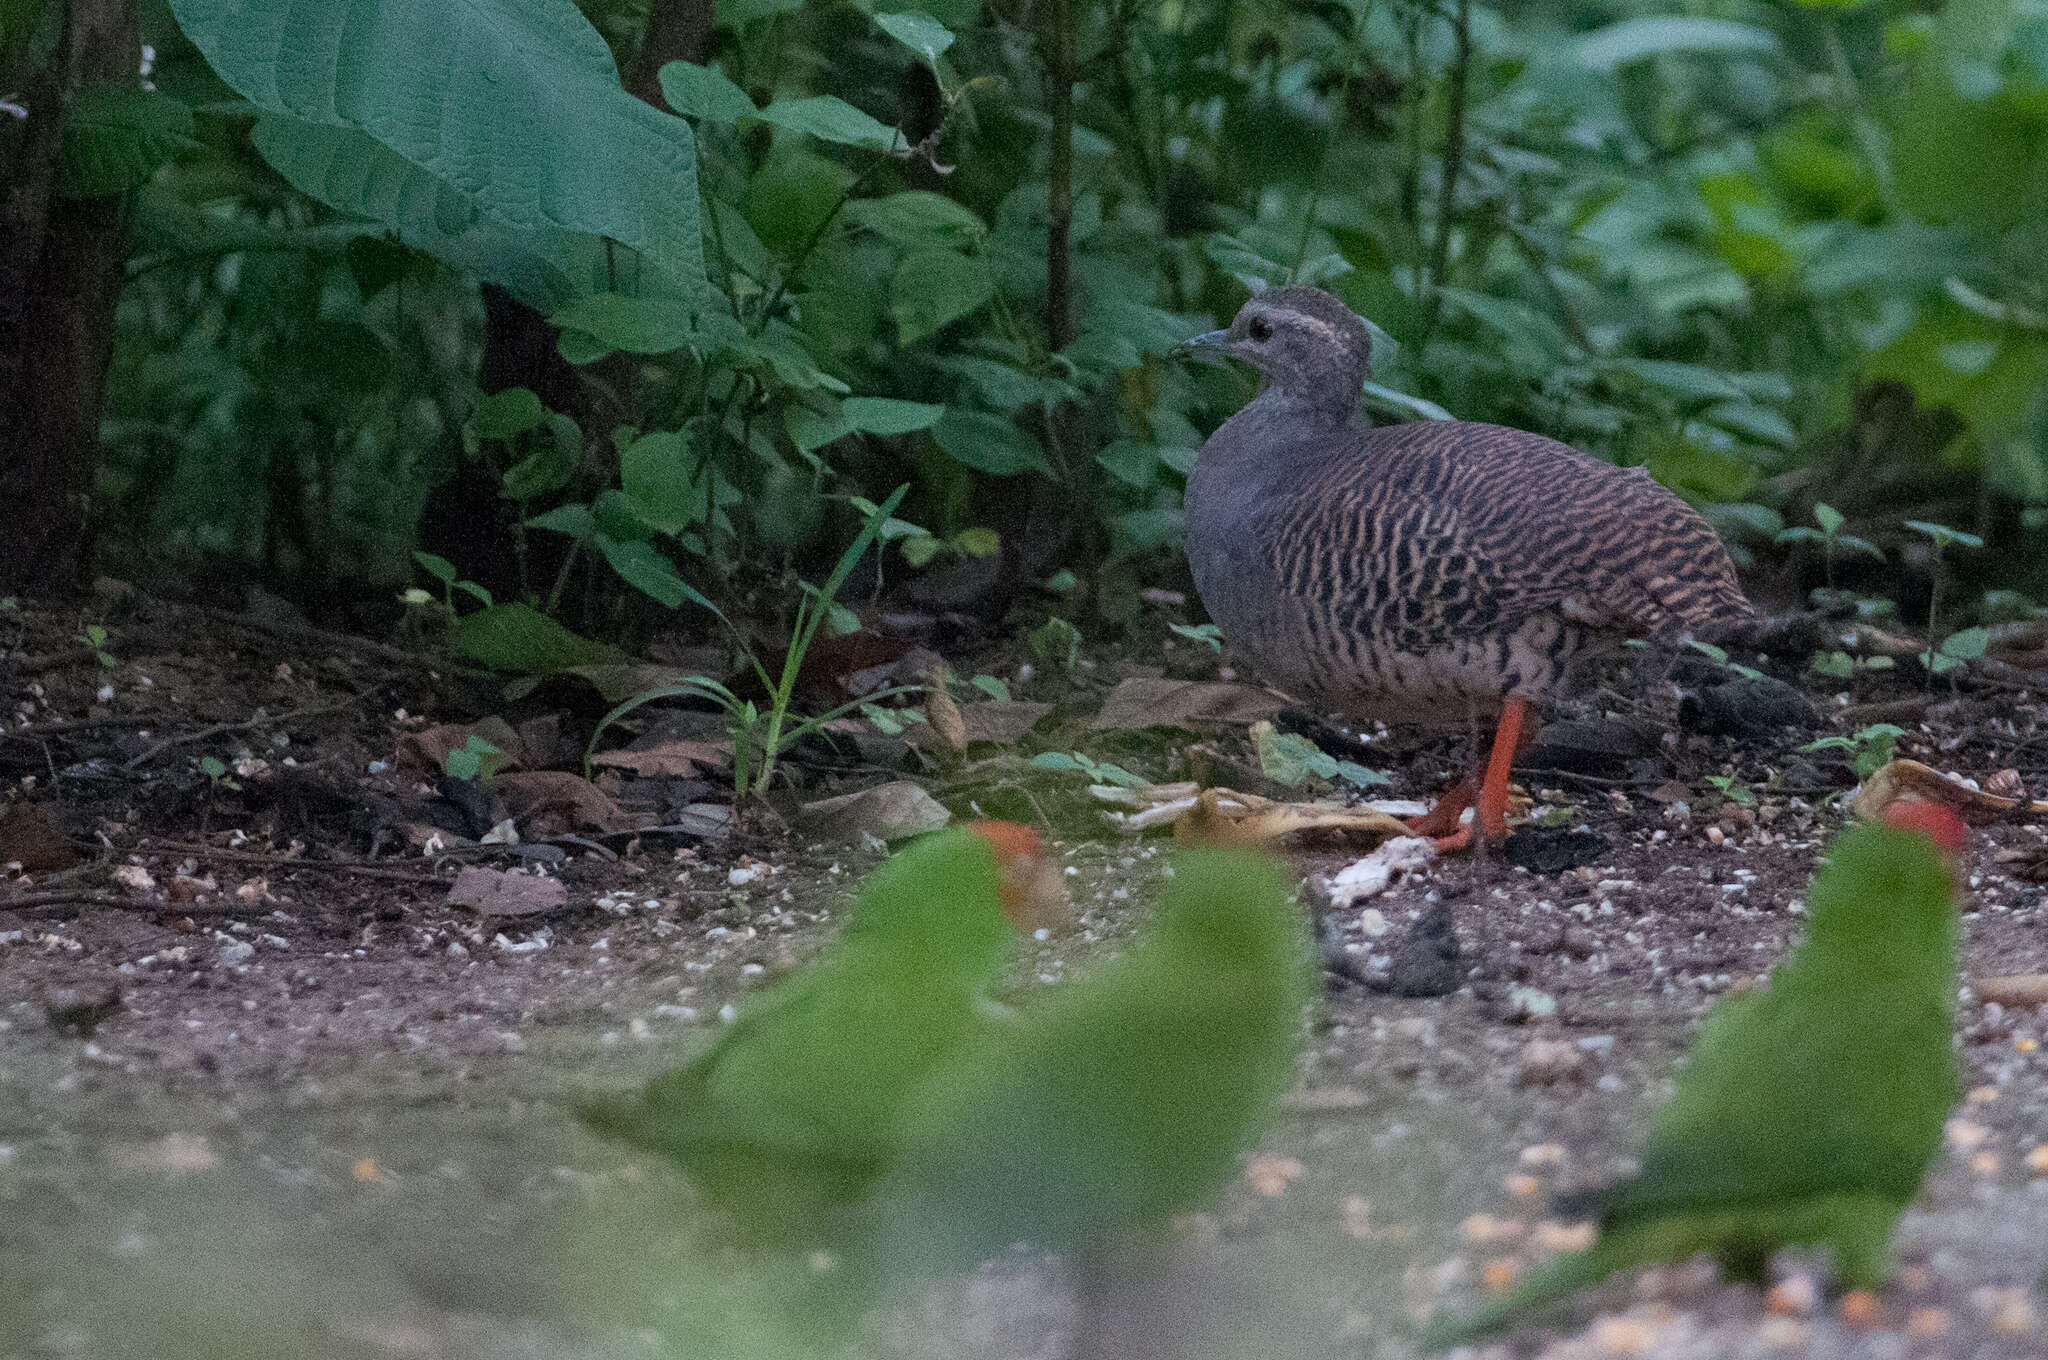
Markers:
(553, 802)
(428, 750)
(887, 811)
(1000, 722)
(1910, 779)
(669, 759)
(942, 713)
(1226, 817)
(491, 892)
(1145, 701)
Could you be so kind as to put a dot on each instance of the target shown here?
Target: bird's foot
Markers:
(1444, 820)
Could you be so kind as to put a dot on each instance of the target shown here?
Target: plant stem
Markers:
(1059, 194)
(1453, 167)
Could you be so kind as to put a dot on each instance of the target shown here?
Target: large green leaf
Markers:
(514, 105)
(353, 173)
(988, 443)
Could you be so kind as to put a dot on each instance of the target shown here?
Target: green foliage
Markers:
(94, 636)
(760, 736)
(1291, 759)
(1872, 746)
(1097, 772)
(1764, 252)
(474, 759)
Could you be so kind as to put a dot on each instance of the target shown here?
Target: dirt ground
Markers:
(265, 1091)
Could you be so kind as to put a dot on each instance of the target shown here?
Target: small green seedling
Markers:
(217, 776)
(1057, 645)
(1873, 746)
(474, 759)
(95, 637)
(1733, 789)
(1963, 646)
(1208, 634)
(1846, 666)
(1830, 537)
(993, 687)
(1098, 771)
(442, 570)
(891, 721)
(1719, 657)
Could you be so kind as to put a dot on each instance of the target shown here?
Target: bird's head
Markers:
(1938, 822)
(1034, 887)
(1307, 343)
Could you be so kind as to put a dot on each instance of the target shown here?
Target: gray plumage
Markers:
(1427, 571)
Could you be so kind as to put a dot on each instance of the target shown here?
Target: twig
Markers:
(70, 897)
(47, 729)
(330, 866)
(305, 632)
(187, 738)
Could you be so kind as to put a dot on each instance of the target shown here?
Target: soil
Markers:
(280, 1097)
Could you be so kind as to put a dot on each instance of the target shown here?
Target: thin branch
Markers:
(206, 733)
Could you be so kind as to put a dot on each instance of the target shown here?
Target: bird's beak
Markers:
(1209, 344)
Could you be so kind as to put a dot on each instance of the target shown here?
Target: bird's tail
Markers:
(1561, 1278)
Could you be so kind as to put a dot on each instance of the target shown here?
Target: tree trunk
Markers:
(60, 277)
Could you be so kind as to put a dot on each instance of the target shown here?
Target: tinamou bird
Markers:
(1809, 1111)
(1117, 1101)
(792, 1112)
(1436, 572)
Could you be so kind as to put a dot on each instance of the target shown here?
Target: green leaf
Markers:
(519, 638)
(1054, 760)
(645, 567)
(550, 466)
(920, 33)
(1757, 423)
(1131, 462)
(574, 519)
(993, 687)
(936, 287)
(978, 542)
(783, 350)
(1966, 644)
(702, 92)
(1633, 40)
(831, 119)
(508, 414)
(889, 416)
(917, 219)
(440, 568)
(355, 174)
(1943, 535)
(1686, 380)
(659, 475)
(1828, 518)
(475, 95)
(988, 443)
(653, 325)
(117, 136)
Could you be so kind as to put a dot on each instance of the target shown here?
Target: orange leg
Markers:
(1492, 816)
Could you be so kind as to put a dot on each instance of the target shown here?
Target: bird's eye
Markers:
(1259, 329)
